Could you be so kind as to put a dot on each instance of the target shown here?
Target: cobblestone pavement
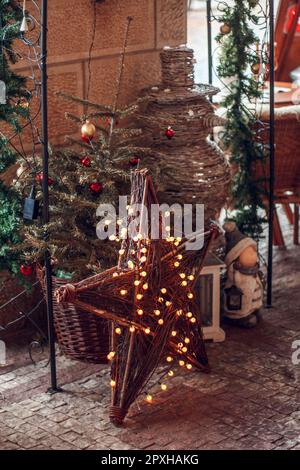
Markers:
(250, 400)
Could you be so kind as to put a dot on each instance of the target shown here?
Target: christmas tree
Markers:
(12, 109)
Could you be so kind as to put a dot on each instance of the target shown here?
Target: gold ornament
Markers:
(88, 129)
(255, 68)
(225, 28)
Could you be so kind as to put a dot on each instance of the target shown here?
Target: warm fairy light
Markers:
(143, 274)
(187, 340)
(190, 295)
(119, 221)
(139, 237)
(169, 359)
(147, 331)
(179, 239)
(163, 290)
(121, 252)
(184, 349)
(135, 239)
(112, 237)
(112, 383)
(182, 275)
(167, 214)
(140, 311)
(145, 286)
(137, 283)
(181, 363)
(191, 277)
(163, 387)
(176, 264)
(139, 296)
(179, 312)
(193, 320)
(118, 331)
(144, 250)
(160, 321)
(176, 243)
(130, 264)
(157, 312)
(111, 355)
(172, 239)
(132, 329)
(117, 239)
(174, 333)
(160, 299)
(115, 274)
(168, 303)
(179, 257)
(170, 373)
(189, 366)
(184, 283)
(180, 345)
(123, 291)
(168, 228)
(149, 398)
(143, 259)
(189, 314)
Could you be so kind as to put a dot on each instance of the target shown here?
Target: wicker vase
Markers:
(200, 171)
(80, 335)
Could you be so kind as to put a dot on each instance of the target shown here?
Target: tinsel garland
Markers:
(242, 63)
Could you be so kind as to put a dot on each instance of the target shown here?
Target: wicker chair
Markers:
(287, 165)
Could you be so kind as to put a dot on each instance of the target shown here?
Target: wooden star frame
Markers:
(149, 300)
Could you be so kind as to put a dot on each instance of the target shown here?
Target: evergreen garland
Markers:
(241, 62)
(11, 114)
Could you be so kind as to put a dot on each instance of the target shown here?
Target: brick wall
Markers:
(156, 23)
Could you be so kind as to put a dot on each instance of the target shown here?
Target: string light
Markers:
(189, 314)
(174, 333)
(184, 283)
(191, 277)
(144, 250)
(145, 286)
(118, 331)
(182, 275)
(160, 321)
(184, 349)
(123, 291)
(193, 320)
(163, 290)
(143, 259)
(190, 295)
(163, 387)
(137, 283)
(189, 366)
(130, 264)
(187, 340)
(115, 274)
(143, 274)
(169, 359)
(111, 355)
(176, 264)
(121, 252)
(149, 398)
(112, 237)
(132, 329)
(180, 345)
(140, 311)
(170, 373)
(181, 363)
(168, 303)
(179, 257)
(160, 299)
(179, 312)
(157, 312)
(112, 383)
(147, 331)
(139, 296)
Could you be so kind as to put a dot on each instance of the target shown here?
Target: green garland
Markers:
(10, 115)
(239, 61)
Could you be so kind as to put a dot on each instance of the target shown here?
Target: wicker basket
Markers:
(80, 335)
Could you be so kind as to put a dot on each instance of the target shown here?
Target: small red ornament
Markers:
(86, 161)
(96, 187)
(134, 161)
(39, 178)
(169, 133)
(26, 269)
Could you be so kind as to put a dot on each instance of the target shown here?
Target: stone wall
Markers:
(156, 23)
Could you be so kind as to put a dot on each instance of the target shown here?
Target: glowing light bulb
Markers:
(137, 283)
(187, 340)
(118, 331)
(179, 312)
(193, 320)
(143, 274)
(111, 355)
(172, 239)
(189, 366)
(115, 274)
(112, 383)
(170, 373)
(174, 333)
(169, 359)
(140, 311)
(176, 264)
(190, 295)
(184, 283)
(168, 228)
(189, 314)
(160, 299)
(180, 345)
(147, 331)
(191, 277)
(145, 286)
(119, 221)
(182, 275)
(157, 312)
(132, 329)
(181, 363)
(163, 387)
(144, 250)
(160, 321)
(112, 238)
(143, 259)
(163, 290)
(149, 398)
(167, 214)
(179, 239)
(123, 291)
(168, 303)
(130, 264)
(179, 257)
(139, 296)
(184, 349)
(121, 252)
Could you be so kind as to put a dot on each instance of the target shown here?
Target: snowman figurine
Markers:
(244, 285)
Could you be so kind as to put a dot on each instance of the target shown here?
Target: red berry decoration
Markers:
(96, 187)
(26, 269)
(169, 133)
(86, 161)
(134, 161)
(40, 176)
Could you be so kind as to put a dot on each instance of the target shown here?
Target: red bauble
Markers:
(85, 161)
(26, 269)
(96, 187)
(86, 138)
(39, 178)
(134, 161)
(169, 133)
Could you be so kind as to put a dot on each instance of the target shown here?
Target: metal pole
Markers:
(45, 154)
(209, 41)
(272, 157)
